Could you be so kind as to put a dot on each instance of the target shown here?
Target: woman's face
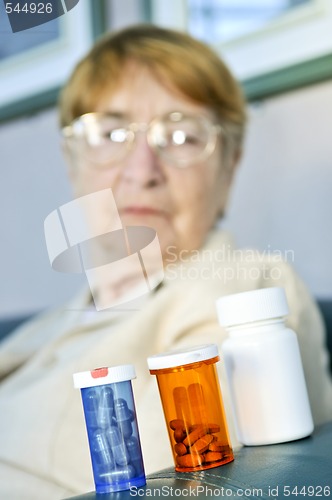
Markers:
(181, 204)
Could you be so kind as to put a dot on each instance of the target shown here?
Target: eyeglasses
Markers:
(177, 138)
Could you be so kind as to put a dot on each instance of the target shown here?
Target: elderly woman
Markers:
(157, 117)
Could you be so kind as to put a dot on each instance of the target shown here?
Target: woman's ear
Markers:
(69, 160)
(232, 161)
(237, 158)
(230, 165)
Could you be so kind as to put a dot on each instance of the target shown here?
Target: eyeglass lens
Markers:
(175, 137)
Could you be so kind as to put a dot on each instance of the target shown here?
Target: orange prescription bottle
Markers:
(192, 403)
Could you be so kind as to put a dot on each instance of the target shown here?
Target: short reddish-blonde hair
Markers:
(178, 60)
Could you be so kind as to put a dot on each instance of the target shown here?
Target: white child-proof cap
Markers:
(255, 305)
(105, 375)
(180, 357)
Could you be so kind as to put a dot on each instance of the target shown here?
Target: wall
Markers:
(33, 183)
(282, 194)
(281, 198)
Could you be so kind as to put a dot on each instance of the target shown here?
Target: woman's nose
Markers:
(142, 165)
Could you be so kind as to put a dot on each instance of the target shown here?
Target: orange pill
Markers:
(195, 435)
(212, 428)
(201, 444)
(212, 456)
(197, 402)
(177, 422)
(179, 434)
(194, 426)
(189, 460)
(209, 428)
(218, 446)
(180, 449)
(181, 403)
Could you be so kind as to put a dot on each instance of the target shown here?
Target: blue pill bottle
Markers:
(112, 429)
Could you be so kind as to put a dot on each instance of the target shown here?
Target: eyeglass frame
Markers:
(132, 128)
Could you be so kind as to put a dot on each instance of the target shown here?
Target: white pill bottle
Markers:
(264, 369)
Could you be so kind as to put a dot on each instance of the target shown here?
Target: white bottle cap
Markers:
(255, 305)
(102, 376)
(180, 357)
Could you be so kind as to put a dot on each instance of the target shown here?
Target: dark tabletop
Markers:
(299, 469)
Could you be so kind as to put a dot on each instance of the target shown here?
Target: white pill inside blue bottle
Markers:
(111, 424)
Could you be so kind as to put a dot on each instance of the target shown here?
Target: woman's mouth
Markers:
(142, 211)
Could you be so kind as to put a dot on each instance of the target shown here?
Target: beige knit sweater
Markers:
(43, 445)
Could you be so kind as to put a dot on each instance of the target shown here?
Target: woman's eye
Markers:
(117, 135)
(192, 139)
(180, 138)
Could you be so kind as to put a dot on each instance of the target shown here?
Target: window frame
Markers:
(29, 80)
(275, 68)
